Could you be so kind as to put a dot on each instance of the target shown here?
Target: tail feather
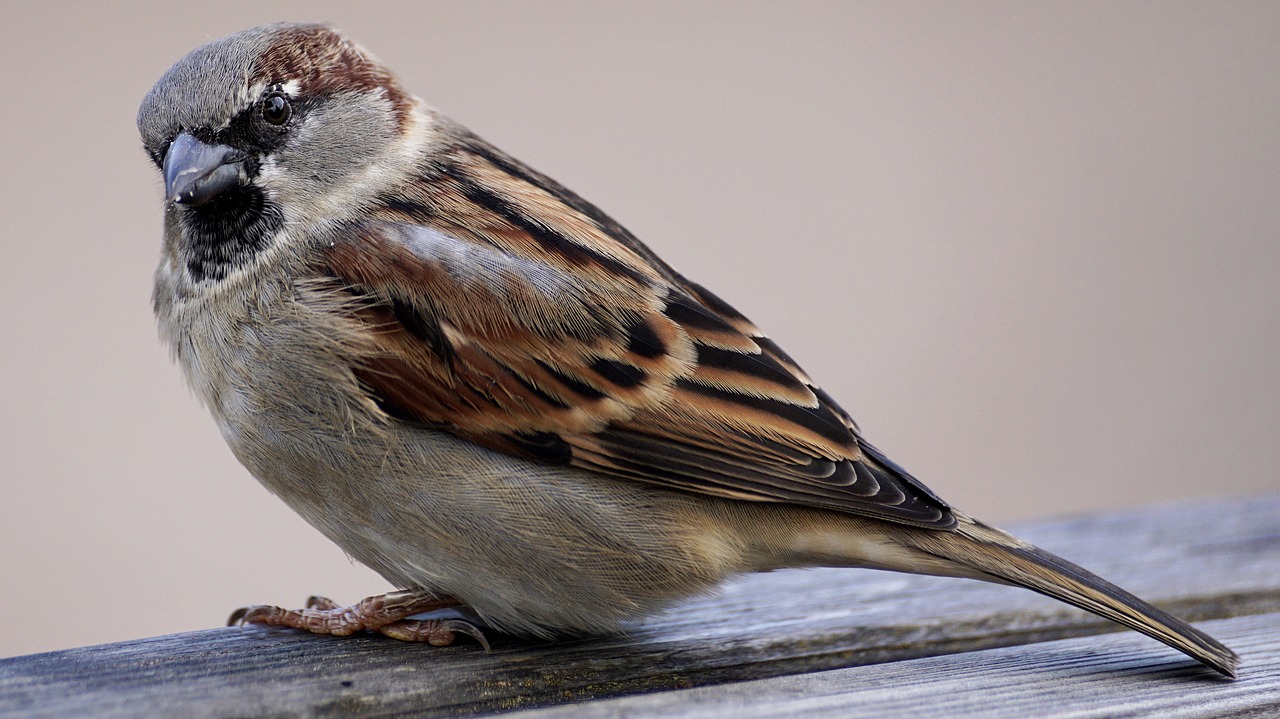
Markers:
(1011, 560)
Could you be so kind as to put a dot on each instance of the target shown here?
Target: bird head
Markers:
(258, 129)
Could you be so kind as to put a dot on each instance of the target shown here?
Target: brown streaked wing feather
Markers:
(506, 316)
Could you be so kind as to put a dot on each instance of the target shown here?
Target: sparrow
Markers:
(484, 388)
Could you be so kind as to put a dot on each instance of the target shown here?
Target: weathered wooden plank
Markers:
(1115, 675)
(1202, 560)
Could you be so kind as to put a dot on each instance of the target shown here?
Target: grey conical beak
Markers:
(196, 172)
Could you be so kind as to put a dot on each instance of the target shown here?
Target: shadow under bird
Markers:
(481, 386)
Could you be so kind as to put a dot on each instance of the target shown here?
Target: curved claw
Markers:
(240, 617)
(436, 632)
(315, 601)
(462, 626)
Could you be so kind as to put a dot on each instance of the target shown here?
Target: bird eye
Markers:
(276, 109)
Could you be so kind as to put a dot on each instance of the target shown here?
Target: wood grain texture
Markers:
(1203, 560)
(1116, 675)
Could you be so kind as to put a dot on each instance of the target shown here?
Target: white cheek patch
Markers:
(268, 170)
(396, 161)
(383, 155)
(271, 176)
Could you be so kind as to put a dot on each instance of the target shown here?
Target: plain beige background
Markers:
(1033, 247)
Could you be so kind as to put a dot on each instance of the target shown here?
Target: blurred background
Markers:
(1034, 248)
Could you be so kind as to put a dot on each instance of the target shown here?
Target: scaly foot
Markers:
(385, 613)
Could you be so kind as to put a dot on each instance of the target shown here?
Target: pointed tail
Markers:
(1009, 559)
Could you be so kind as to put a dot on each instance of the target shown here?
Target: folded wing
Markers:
(525, 320)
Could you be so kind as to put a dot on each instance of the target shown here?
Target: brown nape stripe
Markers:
(326, 63)
(619, 373)
(578, 387)
(820, 419)
(552, 241)
(759, 366)
(684, 310)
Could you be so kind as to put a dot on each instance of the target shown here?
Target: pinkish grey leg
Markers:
(385, 613)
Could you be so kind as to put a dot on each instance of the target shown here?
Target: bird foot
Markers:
(386, 613)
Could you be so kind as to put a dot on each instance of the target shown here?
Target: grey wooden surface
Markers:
(1116, 675)
(1203, 560)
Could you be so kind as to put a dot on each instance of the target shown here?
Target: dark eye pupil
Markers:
(276, 110)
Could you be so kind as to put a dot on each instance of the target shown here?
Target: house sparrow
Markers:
(484, 388)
